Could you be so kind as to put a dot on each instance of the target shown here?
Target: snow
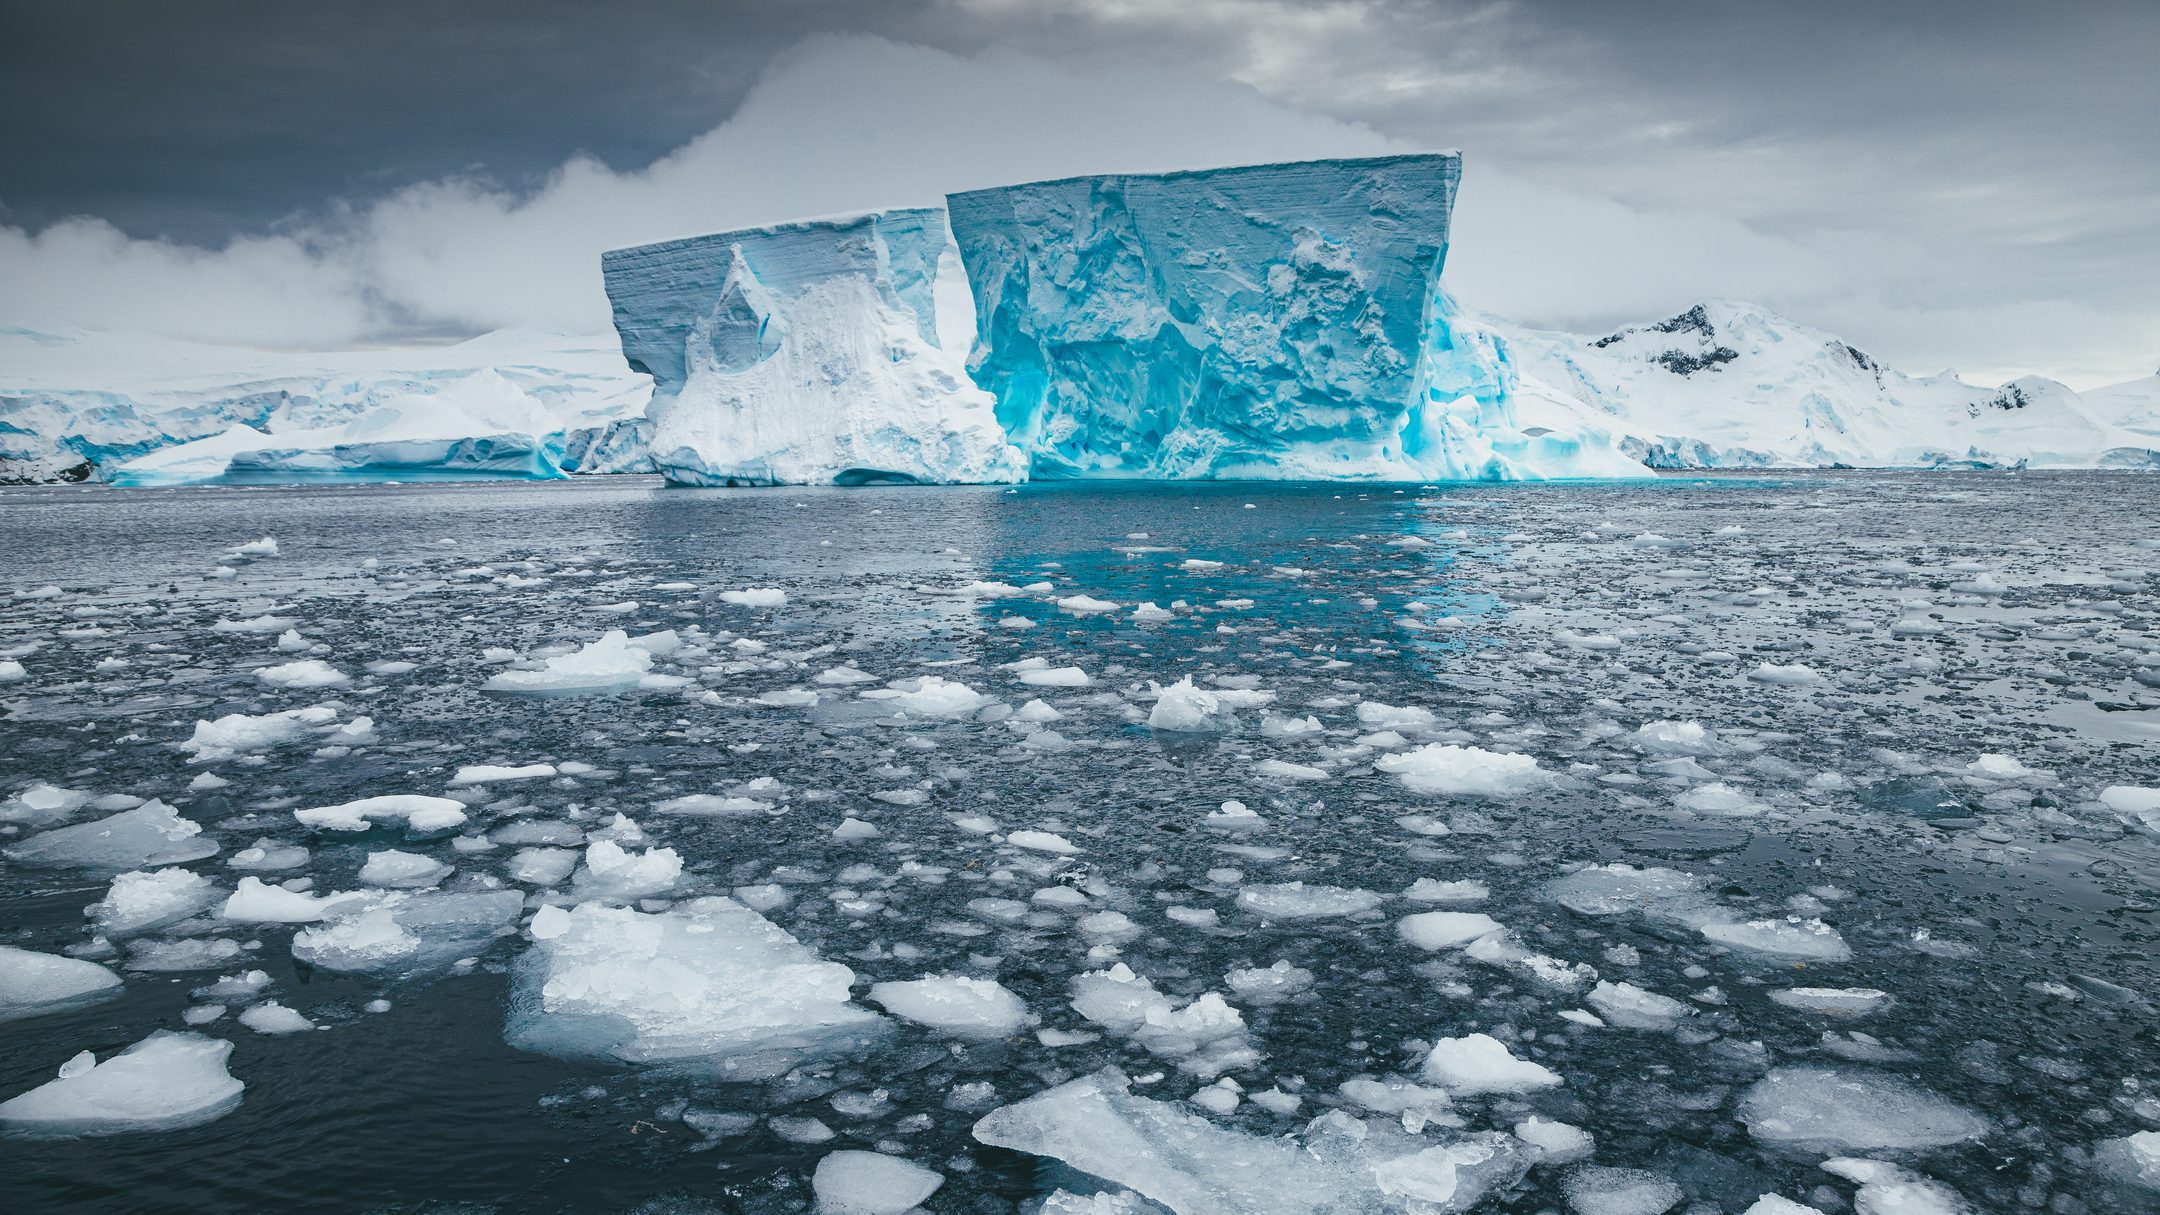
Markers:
(1481, 1063)
(868, 1183)
(1445, 768)
(150, 834)
(806, 353)
(165, 1082)
(612, 663)
(33, 984)
(709, 983)
(422, 815)
(1820, 1109)
(956, 1005)
(1311, 340)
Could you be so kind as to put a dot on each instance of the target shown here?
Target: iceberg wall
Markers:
(804, 354)
(1278, 321)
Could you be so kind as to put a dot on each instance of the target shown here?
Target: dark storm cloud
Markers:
(201, 118)
(1946, 181)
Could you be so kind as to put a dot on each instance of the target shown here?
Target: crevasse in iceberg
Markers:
(803, 354)
(1265, 321)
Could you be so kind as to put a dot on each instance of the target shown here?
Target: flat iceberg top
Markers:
(1263, 169)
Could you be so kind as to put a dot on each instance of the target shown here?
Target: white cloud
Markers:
(844, 124)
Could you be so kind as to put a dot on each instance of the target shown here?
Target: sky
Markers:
(1967, 184)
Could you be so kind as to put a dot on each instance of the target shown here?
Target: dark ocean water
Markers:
(1938, 618)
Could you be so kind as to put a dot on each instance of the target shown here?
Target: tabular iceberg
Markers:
(1271, 321)
(804, 354)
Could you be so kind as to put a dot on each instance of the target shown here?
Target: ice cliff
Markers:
(806, 353)
(1276, 321)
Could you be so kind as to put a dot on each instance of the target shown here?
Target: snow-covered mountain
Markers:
(1732, 385)
(77, 405)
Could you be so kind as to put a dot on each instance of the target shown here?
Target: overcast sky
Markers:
(1967, 183)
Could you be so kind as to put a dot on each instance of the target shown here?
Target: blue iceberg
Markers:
(805, 353)
(1268, 321)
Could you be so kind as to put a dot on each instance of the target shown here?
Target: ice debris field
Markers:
(1259, 322)
(1748, 846)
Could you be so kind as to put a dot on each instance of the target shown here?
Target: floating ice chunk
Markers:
(257, 624)
(1150, 613)
(1555, 1142)
(150, 834)
(165, 1082)
(710, 983)
(1043, 841)
(2135, 804)
(1631, 1007)
(1774, 1204)
(612, 872)
(1277, 728)
(1481, 1063)
(1269, 984)
(955, 1004)
(1793, 675)
(33, 984)
(612, 663)
(1675, 738)
(391, 867)
(1616, 889)
(1791, 937)
(1056, 677)
(928, 696)
(1233, 816)
(266, 855)
(306, 673)
(257, 902)
(1889, 1189)
(755, 597)
(542, 866)
(1835, 1001)
(271, 1017)
(1297, 901)
(1183, 708)
(1376, 716)
(238, 734)
(713, 805)
(1596, 1190)
(400, 930)
(494, 774)
(1820, 1109)
(1433, 890)
(1085, 605)
(140, 901)
(869, 1183)
(265, 547)
(1285, 770)
(1437, 930)
(1444, 768)
(1721, 800)
(421, 815)
(2133, 1159)
(42, 805)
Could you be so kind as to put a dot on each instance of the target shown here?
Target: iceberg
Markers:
(1268, 321)
(805, 353)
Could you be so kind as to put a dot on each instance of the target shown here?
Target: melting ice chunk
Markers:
(150, 834)
(421, 815)
(710, 984)
(609, 664)
(1445, 768)
(870, 1183)
(33, 983)
(1481, 1063)
(165, 1082)
(955, 1004)
(1820, 1109)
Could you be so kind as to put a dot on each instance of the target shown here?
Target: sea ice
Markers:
(869, 1183)
(306, 673)
(955, 1004)
(1481, 1063)
(610, 664)
(237, 734)
(422, 815)
(1298, 901)
(1444, 768)
(140, 901)
(710, 984)
(165, 1082)
(33, 983)
(150, 834)
(1828, 1110)
(1437, 930)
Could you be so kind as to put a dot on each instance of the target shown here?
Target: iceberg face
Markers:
(804, 354)
(1266, 321)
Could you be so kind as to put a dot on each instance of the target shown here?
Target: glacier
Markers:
(804, 353)
(1266, 321)
(87, 405)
